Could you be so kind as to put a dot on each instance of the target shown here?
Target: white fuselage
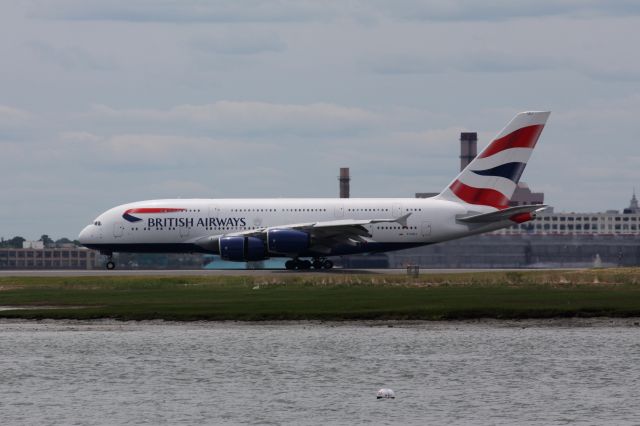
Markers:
(430, 221)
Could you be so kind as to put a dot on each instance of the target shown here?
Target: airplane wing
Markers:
(327, 228)
(516, 214)
(323, 234)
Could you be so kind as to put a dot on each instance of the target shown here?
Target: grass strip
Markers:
(501, 295)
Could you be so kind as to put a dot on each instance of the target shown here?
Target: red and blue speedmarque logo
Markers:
(162, 222)
(128, 215)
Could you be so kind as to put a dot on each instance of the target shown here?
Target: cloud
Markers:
(611, 71)
(401, 151)
(79, 137)
(471, 62)
(15, 125)
(137, 152)
(11, 117)
(186, 11)
(615, 112)
(181, 188)
(244, 118)
(492, 61)
(497, 10)
(363, 11)
(69, 57)
(239, 44)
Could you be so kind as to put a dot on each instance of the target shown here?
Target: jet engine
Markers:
(287, 241)
(242, 249)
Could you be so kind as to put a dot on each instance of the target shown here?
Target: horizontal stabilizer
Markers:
(515, 214)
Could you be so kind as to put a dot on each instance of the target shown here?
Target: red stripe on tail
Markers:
(482, 196)
(525, 137)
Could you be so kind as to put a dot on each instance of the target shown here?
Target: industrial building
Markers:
(548, 222)
(344, 180)
(47, 258)
(523, 251)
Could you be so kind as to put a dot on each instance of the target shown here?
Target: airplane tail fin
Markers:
(491, 178)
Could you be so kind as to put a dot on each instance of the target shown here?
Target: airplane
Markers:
(310, 230)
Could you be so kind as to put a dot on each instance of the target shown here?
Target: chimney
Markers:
(468, 148)
(344, 182)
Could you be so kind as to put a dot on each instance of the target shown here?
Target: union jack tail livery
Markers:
(491, 178)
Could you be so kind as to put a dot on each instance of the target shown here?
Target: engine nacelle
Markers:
(242, 249)
(287, 241)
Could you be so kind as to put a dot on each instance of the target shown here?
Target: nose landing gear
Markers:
(110, 263)
(318, 263)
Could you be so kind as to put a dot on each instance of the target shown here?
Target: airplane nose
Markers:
(85, 235)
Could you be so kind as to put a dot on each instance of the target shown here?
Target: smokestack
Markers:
(344, 182)
(468, 148)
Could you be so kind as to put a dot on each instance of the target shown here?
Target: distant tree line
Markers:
(16, 242)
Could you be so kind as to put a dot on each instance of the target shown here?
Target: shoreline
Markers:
(107, 323)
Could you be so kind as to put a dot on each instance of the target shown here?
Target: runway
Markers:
(233, 272)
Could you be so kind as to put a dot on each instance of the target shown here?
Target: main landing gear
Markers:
(318, 263)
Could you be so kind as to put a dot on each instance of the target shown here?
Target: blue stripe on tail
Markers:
(511, 171)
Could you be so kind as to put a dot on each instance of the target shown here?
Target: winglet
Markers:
(402, 220)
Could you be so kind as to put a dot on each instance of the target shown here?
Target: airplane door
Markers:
(118, 229)
(184, 231)
(339, 211)
(425, 229)
(214, 211)
(397, 210)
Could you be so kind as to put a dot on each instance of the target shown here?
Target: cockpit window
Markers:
(97, 223)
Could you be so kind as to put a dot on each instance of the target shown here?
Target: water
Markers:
(94, 373)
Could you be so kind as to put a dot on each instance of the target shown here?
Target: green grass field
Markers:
(507, 295)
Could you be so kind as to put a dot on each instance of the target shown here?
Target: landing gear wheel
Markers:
(111, 265)
(297, 264)
(322, 263)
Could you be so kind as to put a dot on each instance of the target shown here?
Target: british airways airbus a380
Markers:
(309, 230)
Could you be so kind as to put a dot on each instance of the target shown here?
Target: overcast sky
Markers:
(107, 102)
